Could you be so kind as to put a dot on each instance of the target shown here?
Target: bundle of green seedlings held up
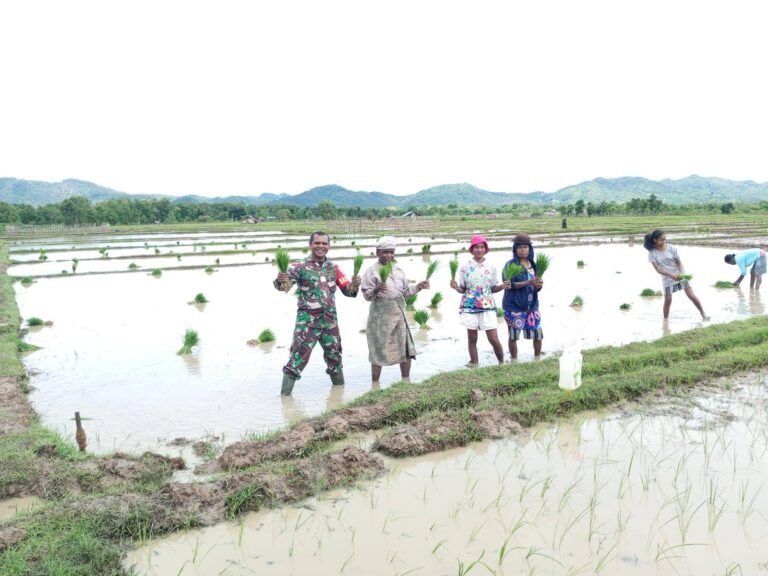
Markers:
(421, 317)
(685, 277)
(283, 262)
(191, 339)
(542, 263)
(454, 266)
(357, 264)
(434, 265)
(384, 271)
(436, 299)
(510, 270)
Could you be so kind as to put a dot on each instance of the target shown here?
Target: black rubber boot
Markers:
(287, 387)
(338, 378)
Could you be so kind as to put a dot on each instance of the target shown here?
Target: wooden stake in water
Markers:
(82, 441)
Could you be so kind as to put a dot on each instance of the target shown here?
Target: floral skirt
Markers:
(525, 324)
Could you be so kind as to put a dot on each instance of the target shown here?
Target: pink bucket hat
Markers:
(478, 239)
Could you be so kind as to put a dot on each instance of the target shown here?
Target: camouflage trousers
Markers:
(314, 326)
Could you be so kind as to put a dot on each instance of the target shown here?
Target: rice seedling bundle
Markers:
(357, 264)
(157, 272)
(436, 299)
(191, 339)
(625, 306)
(421, 317)
(282, 259)
(542, 263)
(209, 270)
(724, 284)
(499, 313)
(34, 321)
(200, 298)
(685, 276)
(510, 270)
(648, 292)
(410, 301)
(26, 281)
(434, 265)
(385, 271)
(580, 264)
(454, 266)
(577, 301)
(266, 335)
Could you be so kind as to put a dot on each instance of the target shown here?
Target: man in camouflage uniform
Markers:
(316, 279)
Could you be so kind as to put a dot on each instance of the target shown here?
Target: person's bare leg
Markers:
(472, 346)
(667, 303)
(758, 281)
(692, 297)
(513, 349)
(537, 348)
(375, 373)
(493, 339)
(752, 277)
(405, 369)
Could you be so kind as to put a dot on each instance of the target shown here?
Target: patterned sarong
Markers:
(389, 338)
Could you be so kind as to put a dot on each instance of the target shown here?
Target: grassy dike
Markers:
(86, 522)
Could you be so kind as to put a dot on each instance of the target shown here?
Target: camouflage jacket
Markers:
(316, 284)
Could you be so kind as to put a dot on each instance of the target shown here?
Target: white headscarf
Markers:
(386, 243)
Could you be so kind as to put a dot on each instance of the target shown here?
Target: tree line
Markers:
(79, 210)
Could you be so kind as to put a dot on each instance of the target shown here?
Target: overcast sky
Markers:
(246, 97)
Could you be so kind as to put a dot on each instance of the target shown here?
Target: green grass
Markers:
(191, 339)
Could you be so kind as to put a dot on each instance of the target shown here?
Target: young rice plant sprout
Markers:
(191, 339)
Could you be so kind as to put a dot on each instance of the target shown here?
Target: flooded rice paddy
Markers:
(110, 352)
(675, 486)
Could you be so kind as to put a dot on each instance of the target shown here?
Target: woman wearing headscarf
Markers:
(521, 298)
(389, 338)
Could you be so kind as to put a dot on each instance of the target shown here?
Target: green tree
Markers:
(727, 208)
(76, 210)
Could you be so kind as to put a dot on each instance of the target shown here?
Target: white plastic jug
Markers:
(570, 369)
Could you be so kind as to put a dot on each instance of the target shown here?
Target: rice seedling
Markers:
(580, 264)
(191, 339)
(426, 248)
(577, 301)
(178, 257)
(75, 262)
(217, 261)
(34, 321)
(43, 257)
(200, 298)
(421, 317)
(156, 273)
(499, 312)
(357, 265)
(26, 280)
(282, 259)
(157, 251)
(454, 266)
(436, 299)
(132, 266)
(685, 277)
(724, 284)
(625, 306)
(542, 264)
(266, 335)
(647, 292)
(433, 266)
(410, 301)
(409, 251)
(510, 270)
(209, 270)
(385, 270)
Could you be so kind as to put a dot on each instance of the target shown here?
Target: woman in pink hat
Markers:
(478, 282)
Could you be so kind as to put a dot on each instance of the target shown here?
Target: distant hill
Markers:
(693, 189)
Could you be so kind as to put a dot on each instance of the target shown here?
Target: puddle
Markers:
(9, 508)
(676, 487)
(111, 350)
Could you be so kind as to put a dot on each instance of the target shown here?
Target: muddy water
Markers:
(13, 506)
(676, 487)
(111, 351)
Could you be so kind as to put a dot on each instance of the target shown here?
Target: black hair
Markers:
(650, 237)
(531, 254)
(318, 233)
(730, 258)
